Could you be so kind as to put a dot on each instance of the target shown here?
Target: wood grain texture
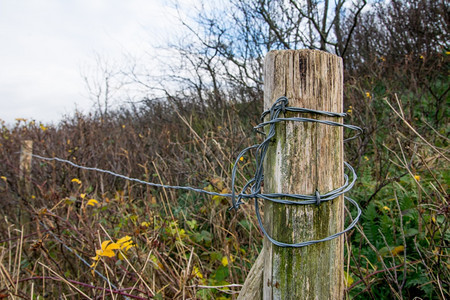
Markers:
(303, 158)
(252, 289)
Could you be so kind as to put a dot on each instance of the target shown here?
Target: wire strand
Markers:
(252, 189)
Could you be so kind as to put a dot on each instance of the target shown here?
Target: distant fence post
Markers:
(26, 151)
(304, 158)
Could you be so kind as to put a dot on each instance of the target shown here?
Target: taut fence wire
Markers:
(252, 189)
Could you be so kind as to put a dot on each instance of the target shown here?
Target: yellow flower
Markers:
(125, 243)
(43, 127)
(145, 224)
(241, 158)
(3, 178)
(386, 208)
(123, 126)
(349, 111)
(76, 180)
(383, 58)
(106, 250)
(83, 196)
(447, 52)
(417, 177)
(368, 95)
(366, 158)
(224, 261)
(421, 57)
(196, 272)
(92, 202)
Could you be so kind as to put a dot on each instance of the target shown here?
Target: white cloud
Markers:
(46, 43)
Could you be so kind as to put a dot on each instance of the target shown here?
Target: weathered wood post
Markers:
(303, 158)
(26, 151)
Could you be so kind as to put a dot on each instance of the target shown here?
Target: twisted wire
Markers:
(252, 189)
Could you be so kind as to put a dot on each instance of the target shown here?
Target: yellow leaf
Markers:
(123, 240)
(126, 246)
(196, 272)
(120, 256)
(156, 263)
(83, 196)
(108, 253)
(96, 257)
(145, 224)
(43, 127)
(107, 249)
(109, 245)
(93, 266)
(3, 178)
(76, 180)
(397, 250)
(225, 261)
(209, 188)
(92, 202)
(348, 279)
(218, 183)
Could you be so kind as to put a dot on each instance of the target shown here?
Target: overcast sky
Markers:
(45, 45)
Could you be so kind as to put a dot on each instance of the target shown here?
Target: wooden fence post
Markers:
(303, 158)
(26, 151)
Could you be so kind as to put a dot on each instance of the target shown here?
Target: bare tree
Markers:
(103, 82)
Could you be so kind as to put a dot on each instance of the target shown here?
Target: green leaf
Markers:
(411, 232)
(221, 273)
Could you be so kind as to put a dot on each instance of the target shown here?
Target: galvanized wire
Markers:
(252, 189)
